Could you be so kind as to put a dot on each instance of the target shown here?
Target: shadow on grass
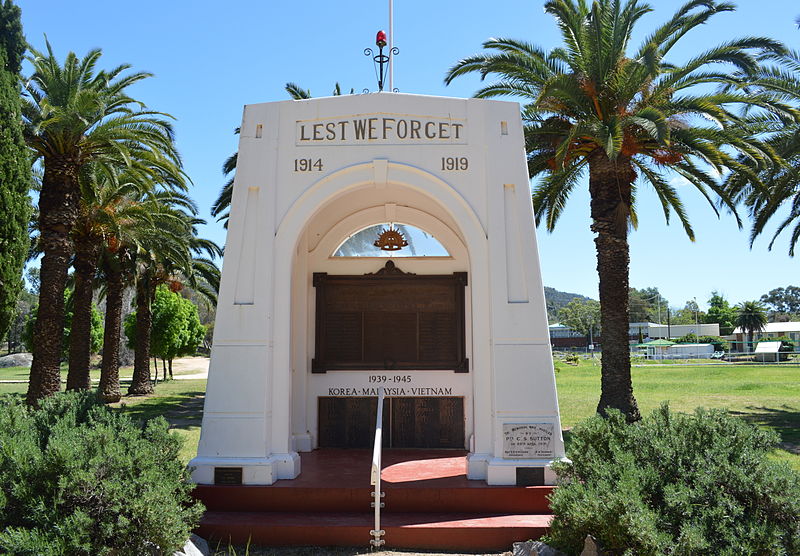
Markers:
(182, 411)
(785, 420)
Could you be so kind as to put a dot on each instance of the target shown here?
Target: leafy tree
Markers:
(32, 275)
(689, 314)
(26, 302)
(782, 301)
(15, 206)
(722, 313)
(751, 317)
(75, 115)
(176, 329)
(626, 118)
(583, 316)
(647, 305)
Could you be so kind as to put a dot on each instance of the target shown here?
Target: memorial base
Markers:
(254, 471)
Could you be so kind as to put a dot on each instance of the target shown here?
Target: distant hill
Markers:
(555, 300)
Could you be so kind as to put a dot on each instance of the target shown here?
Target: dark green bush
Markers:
(79, 478)
(720, 344)
(787, 347)
(676, 484)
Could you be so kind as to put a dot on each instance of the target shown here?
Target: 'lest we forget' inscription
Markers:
(528, 440)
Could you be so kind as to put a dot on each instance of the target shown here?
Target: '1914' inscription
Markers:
(380, 129)
(528, 440)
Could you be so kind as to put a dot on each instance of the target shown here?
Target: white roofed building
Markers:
(772, 331)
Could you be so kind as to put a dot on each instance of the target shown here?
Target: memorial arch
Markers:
(333, 406)
(304, 338)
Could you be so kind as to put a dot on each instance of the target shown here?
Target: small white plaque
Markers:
(528, 440)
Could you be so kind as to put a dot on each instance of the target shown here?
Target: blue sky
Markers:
(211, 58)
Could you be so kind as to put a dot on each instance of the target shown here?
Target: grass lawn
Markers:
(765, 395)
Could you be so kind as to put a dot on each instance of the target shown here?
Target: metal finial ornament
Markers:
(390, 240)
(381, 60)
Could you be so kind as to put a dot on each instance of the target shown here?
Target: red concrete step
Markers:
(464, 496)
(275, 498)
(438, 531)
(468, 499)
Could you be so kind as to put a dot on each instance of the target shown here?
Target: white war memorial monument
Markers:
(380, 241)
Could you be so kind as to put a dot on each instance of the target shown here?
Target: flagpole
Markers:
(391, 46)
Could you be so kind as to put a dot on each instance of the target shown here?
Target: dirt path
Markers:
(188, 368)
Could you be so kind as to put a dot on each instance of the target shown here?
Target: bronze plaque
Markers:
(390, 320)
(227, 475)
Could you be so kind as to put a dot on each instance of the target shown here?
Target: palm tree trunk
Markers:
(109, 369)
(610, 189)
(141, 385)
(58, 210)
(80, 336)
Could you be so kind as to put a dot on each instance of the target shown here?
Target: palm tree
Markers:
(171, 257)
(751, 317)
(221, 206)
(108, 203)
(625, 118)
(147, 222)
(74, 115)
(765, 190)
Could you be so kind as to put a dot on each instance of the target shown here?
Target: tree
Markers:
(107, 202)
(26, 302)
(782, 301)
(751, 317)
(139, 221)
(583, 316)
(764, 190)
(14, 166)
(624, 118)
(175, 257)
(720, 311)
(647, 305)
(176, 327)
(74, 115)
(689, 314)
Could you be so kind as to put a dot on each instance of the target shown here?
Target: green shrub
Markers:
(79, 478)
(572, 358)
(677, 485)
(787, 347)
(720, 344)
(690, 338)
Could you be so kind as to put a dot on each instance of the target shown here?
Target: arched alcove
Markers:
(411, 200)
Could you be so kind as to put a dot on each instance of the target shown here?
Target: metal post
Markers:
(391, 45)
